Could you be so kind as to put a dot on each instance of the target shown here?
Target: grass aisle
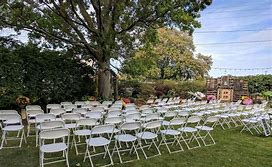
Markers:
(233, 149)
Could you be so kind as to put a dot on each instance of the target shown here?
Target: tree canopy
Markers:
(171, 57)
(103, 29)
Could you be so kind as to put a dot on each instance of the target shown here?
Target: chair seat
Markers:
(165, 123)
(56, 147)
(146, 135)
(249, 121)
(97, 141)
(206, 128)
(70, 126)
(82, 132)
(13, 127)
(125, 138)
(187, 129)
(170, 132)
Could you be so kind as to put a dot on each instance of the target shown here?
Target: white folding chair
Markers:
(193, 120)
(31, 118)
(150, 132)
(83, 128)
(206, 129)
(70, 119)
(127, 135)
(56, 146)
(11, 123)
(173, 133)
(42, 118)
(100, 137)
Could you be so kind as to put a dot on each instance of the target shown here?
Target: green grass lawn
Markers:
(232, 149)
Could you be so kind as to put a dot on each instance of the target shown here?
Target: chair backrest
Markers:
(81, 111)
(57, 111)
(130, 126)
(8, 112)
(79, 103)
(119, 106)
(132, 107)
(134, 116)
(94, 103)
(33, 113)
(114, 113)
(194, 119)
(70, 107)
(113, 120)
(65, 103)
(152, 116)
(118, 102)
(54, 133)
(70, 116)
(44, 117)
(33, 107)
(153, 125)
(177, 121)
(52, 124)
(94, 114)
(131, 111)
(98, 109)
(11, 118)
(169, 114)
(211, 120)
(147, 111)
(88, 106)
(162, 110)
(53, 106)
(87, 122)
(107, 103)
(143, 107)
(102, 129)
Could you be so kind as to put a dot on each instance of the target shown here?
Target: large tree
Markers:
(170, 57)
(104, 29)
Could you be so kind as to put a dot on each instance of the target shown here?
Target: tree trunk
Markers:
(104, 80)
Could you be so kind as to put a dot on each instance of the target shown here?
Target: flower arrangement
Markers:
(22, 100)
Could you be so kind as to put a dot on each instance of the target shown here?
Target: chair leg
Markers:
(66, 157)
(3, 139)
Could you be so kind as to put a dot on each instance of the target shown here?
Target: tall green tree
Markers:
(171, 57)
(104, 29)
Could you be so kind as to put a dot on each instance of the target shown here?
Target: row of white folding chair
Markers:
(11, 123)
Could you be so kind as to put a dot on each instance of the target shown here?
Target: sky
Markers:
(237, 16)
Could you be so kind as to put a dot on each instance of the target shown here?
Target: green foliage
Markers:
(42, 75)
(171, 57)
(161, 88)
(259, 83)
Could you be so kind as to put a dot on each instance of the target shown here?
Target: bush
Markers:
(43, 76)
